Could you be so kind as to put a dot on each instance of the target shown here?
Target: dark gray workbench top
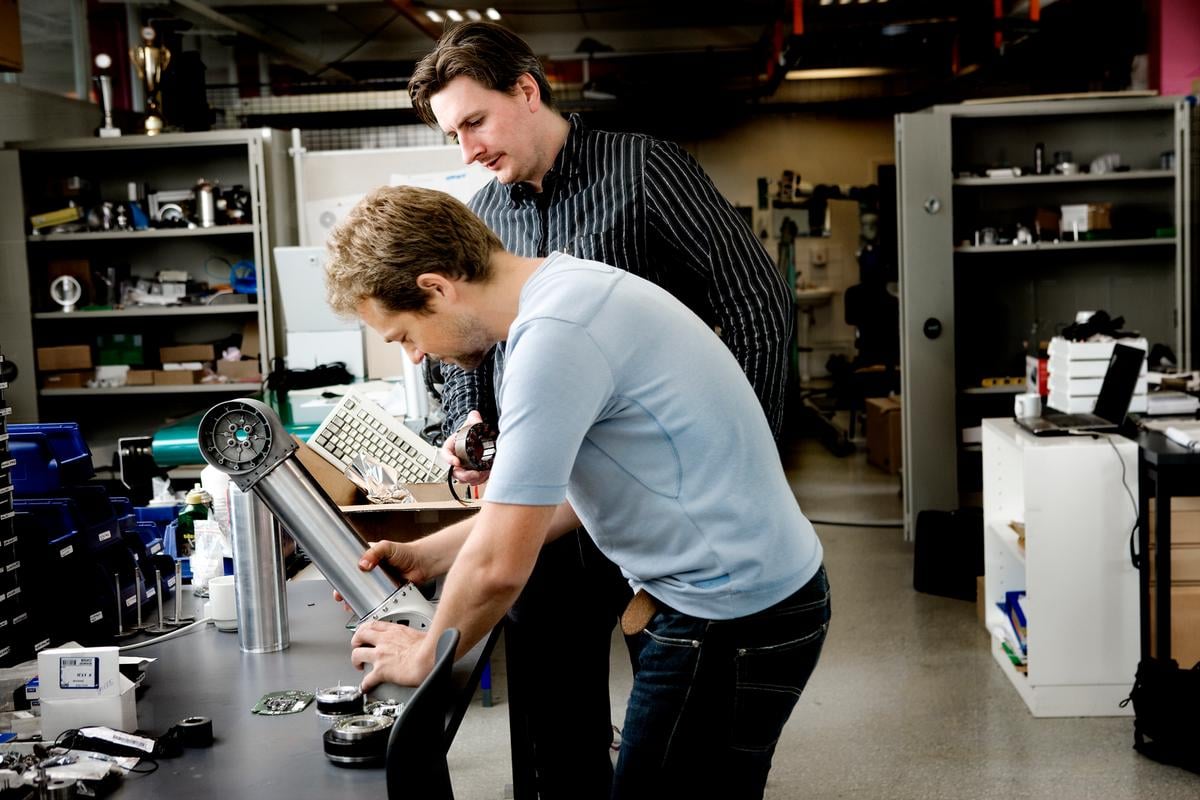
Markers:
(205, 673)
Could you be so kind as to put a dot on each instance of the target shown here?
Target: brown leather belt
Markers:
(638, 613)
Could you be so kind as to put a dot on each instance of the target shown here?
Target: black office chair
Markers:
(416, 754)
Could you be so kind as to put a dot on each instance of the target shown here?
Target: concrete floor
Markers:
(906, 701)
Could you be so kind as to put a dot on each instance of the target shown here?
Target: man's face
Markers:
(445, 333)
(491, 127)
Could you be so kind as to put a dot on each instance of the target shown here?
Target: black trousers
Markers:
(557, 641)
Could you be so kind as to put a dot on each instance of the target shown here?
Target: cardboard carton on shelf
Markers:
(139, 377)
(64, 357)
(177, 377)
(239, 371)
(432, 510)
(186, 352)
(66, 380)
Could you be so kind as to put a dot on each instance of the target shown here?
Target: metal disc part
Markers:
(235, 436)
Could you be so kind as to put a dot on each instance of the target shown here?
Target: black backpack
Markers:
(1166, 707)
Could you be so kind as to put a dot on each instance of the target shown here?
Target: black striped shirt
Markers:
(646, 206)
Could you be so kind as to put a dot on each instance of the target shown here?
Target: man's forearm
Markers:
(491, 568)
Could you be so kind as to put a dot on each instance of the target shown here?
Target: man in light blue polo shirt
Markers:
(622, 411)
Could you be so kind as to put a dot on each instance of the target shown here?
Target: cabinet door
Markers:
(16, 325)
(926, 313)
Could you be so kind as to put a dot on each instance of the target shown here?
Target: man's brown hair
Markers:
(484, 51)
(397, 233)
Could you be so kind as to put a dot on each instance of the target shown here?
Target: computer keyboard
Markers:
(359, 425)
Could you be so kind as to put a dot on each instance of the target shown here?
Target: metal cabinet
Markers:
(971, 300)
(255, 159)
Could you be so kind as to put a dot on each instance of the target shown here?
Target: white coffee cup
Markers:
(1027, 405)
(222, 603)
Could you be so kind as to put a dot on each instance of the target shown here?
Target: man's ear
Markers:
(437, 286)
(529, 90)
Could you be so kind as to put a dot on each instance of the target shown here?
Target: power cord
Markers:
(1135, 557)
(166, 636)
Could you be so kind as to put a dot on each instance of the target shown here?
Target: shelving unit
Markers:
(254, 159)
(1082, 591)
(968, 312)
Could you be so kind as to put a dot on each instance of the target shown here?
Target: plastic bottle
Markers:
(216, 483)
(198, 507)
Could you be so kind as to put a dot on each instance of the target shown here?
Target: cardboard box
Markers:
(1185, 624)
(250, 344)
(11, 57)
(81, 686)
(883, 433)
(186, 352)
(66, 380)
(139, 377)
(177, 377)
(239, 371)
(68, 356)
(433, 510)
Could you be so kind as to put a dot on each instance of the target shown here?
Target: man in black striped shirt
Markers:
(634, 202)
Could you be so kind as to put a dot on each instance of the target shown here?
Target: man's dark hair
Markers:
(484, 51)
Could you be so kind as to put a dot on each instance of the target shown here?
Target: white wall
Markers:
(822, 150)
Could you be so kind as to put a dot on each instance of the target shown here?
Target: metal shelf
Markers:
(1055, 246)
(153, 311)
(152, 233)
(196, 388)
(1025, 180)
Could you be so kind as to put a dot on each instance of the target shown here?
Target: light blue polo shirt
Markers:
(618, 398)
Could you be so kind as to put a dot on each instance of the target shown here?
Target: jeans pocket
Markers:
(770, 679)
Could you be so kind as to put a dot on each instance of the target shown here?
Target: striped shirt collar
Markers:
(567, 164)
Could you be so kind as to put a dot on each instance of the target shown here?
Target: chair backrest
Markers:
(416, 754)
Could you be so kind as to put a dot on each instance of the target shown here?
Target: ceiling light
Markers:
(845, 2)
(826, 2)
(838, 72)
(492, 13)
(474, 15)
(433, 15)
(454, 15)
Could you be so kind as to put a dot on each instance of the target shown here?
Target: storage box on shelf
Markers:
(111, 328)
(1076, 371)
(1081, 604)
(973, 309)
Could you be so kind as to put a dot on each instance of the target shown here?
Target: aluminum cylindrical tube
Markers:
(297, 501)
(258, 575)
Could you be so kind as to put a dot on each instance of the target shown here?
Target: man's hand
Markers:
(468, 476)
(395, 653)
(403, 557)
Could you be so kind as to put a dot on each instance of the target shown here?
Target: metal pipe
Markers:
(246, 439)
(303, 509)
(258, 575)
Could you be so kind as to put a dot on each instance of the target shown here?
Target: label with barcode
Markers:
(150, 593)
(19, 618)
(104, 537)
(94, 618)
(119, 737)
(130, 600)
(14, 565)
(9, 542)
(66, 551)
(79, 672)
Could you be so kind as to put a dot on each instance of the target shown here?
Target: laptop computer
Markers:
(1112, 404)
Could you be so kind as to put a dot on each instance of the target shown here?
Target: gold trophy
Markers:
(151, 61)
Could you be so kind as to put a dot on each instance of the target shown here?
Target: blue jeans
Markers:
(710, 698)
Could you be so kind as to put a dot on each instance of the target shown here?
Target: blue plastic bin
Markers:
(60, 442)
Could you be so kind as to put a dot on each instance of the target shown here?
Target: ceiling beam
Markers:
(291, 54)
(417, 17)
